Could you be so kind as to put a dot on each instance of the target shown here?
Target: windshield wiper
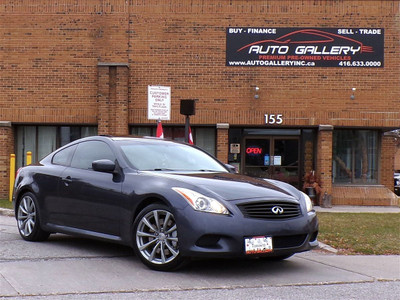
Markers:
(159, 169)
(182, 170)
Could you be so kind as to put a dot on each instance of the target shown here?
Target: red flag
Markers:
(160, 133)
(190, 139)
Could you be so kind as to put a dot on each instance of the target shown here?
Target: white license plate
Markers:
(258, 244)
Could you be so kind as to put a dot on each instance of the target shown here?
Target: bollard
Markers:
(12, 175)
(28, 158)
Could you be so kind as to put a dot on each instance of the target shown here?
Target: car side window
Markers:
(88, 152)
(63, 157)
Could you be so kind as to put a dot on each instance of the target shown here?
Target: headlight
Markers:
(200, 202)
(309, 203)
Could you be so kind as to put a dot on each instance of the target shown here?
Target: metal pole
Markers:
(187, 124)
(28, 158)
(12, 175)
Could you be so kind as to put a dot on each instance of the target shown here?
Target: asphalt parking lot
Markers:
(75, 268)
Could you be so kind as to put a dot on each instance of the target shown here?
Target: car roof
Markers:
(123, 138)
(132, 138)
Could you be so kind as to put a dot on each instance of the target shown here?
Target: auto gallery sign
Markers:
(294, 47)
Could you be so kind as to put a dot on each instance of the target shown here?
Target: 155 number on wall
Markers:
(273, 119)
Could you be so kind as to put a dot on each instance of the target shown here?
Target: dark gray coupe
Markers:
(169, 201)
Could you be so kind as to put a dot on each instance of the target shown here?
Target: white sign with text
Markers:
(159, 102)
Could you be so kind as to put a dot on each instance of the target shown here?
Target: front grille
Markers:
(264, 210)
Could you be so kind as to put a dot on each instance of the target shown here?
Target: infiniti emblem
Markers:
(277, 210)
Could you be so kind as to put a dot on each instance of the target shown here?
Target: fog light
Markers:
(208, 241)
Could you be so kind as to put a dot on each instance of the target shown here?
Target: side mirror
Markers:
(103, 165)
(231, 169)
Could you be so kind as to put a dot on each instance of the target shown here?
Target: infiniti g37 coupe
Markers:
(169, 201)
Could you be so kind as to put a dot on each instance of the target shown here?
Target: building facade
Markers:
(282, 88)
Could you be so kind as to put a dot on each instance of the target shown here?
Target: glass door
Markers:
(272, 157)
(257, 157)
(286, 161)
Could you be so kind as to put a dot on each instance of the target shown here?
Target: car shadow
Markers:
(238, 266)
(228, 268)
(90, 247)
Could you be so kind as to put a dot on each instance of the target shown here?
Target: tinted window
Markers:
(63, 157)
(355, 156)
(169, 156)
(87, 152)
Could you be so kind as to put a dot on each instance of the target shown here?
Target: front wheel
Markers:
(156, 238)
(28, 220)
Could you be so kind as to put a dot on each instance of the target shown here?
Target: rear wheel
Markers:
(28, 220)
(156, 238)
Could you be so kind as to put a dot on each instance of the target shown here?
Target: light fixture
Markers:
(256, 89)
(352, 96)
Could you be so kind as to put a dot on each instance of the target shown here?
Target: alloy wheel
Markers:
(157, 237)
(26, 216)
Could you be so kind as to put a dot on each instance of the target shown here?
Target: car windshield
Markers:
(168, 156)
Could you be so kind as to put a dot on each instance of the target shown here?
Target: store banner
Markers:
(295, 47)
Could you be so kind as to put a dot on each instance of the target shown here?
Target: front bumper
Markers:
(210, 235)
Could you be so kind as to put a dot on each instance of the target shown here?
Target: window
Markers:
(204, 137)
(69, 134)
(42, 140)
(355, 156)
(175, 157)
(63, 157)
(46, 140)
(88, 152)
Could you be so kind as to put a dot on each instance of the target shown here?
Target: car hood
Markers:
(233, 186)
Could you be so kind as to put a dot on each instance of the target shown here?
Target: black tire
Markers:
(28, 219)
(155, 238)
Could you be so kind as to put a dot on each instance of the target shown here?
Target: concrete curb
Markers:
(358, 209)
(6, 212)
(327, 248)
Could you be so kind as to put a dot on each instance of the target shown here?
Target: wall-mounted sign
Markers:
(273, 119)
(235, 148)
(277, 160)
(296, 47)
(159, 102)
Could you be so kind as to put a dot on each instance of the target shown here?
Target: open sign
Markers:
(254, 150)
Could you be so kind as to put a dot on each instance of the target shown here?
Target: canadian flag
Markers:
(159, 133)
(190, 136)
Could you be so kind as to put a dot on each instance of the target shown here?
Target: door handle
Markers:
(67, 180)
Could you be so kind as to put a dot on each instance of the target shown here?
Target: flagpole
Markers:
(159, 131)
(187, 109)
(187, 124)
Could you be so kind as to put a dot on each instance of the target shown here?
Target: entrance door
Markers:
(272, 157)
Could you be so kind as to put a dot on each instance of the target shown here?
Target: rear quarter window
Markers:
(63, 157)
(89, 151)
